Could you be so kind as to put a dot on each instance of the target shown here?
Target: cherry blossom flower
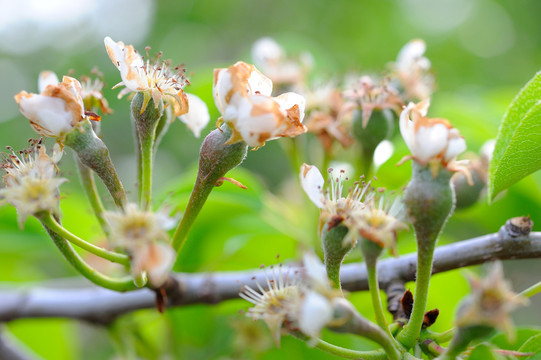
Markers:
(242, 95)
(32, 180)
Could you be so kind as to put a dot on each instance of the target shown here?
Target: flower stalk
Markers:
(89, 185)
(216, 158)
(48, 220)
(93, 153)
(121, 285)
(145, 123)
(429, 201)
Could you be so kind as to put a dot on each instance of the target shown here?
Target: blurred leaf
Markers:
(516, 154)
(532, 345)
(483, 352)
(523, 335)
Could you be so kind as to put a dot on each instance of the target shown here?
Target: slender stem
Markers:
(147, 154)
(532, 290)
(373, 286)
(121, 285)
(442, 337)
(89, 185)
(199, 195)
(340, 351)
(48, 220)
(411, 331)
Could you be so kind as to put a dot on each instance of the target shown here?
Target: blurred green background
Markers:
(481, 51)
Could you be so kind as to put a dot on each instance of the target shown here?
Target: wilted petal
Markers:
(128, 62)
(48, 115)
(198, 115)
(45, 79)
(290, 100)
(312, 183)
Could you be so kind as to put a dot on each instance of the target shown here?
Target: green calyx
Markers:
(216, 158)
(334, 250)
(93, 153)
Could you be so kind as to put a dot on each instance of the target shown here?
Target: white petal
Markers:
(430, 141)
(312, 183)
(410, 53)
(315, 313)
(315, 270)
(487, 149)
(455, 147)
(290, 99)
(407, 128)
(383, 152)
(128, 62)
(259, 84)
(198, 115)
(221, 88)
(48, 114)
(45, 79)
(266, 50)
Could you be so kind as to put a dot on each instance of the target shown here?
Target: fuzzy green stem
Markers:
(145, 115)
(48, 220)
(147, 155)
(373, 285)
(429, 200)
(89, 185)
(532, 290)
(340, 351)
(334, 251)
(424, 270)
(216, 158)
(93, 153)
(121, 285)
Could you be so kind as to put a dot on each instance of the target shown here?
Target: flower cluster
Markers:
(242, 95)
(32, 180)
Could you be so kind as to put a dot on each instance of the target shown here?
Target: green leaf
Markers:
(518, 144)
(533, 345)
(483, 352)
